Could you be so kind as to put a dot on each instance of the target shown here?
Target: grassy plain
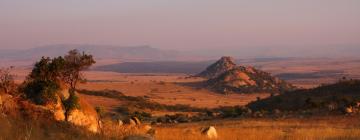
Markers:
(322, 128)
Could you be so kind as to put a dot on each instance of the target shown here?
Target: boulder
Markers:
(209, 132)
(348, 110)
(120, 122)
(130, 122)
(136, 120)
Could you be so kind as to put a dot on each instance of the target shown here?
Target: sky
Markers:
(208, 25)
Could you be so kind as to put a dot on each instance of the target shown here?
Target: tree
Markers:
(75, 62)
(47, 76)
(7, 83)
(43, 82)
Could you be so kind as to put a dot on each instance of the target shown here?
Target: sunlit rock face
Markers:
(84, 116)
(79, 118)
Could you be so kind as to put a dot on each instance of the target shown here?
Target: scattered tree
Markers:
(48, 75)
(75, 62)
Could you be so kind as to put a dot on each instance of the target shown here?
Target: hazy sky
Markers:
(181, 24)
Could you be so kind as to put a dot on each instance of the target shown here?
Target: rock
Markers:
(130, 122)
(139, 137)
(85, 116)
(120, 122)
(79, 118)
(209, 132)
(136, 120)
(348, 110)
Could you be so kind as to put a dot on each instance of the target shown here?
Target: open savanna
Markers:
(168, 89)
(322, 128)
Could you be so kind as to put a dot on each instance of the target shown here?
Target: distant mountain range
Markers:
(135, 53)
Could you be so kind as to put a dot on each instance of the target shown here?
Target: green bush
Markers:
(41, 92)
(72, 102)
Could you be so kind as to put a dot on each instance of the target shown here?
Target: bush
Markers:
(71, 103)
(41, 92)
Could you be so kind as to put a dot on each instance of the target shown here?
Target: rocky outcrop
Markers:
(221, 66)
(84, 116)
(247, 80)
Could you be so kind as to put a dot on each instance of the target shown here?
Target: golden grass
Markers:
(295, 129)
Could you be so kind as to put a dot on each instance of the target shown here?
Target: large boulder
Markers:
(209, 132)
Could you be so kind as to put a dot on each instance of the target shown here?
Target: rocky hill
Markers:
(225, 77)
(247, 80)
(219, 67)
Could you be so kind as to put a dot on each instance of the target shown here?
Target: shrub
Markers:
(41, 92)
(71, 103)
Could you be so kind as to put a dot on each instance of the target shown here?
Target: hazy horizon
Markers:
(231, 27)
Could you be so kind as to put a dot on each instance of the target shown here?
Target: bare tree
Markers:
(7, 83)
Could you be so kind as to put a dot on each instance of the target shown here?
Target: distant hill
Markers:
(218, 68)
(243, 79)
(226, 77)
(135, 53)
(333, 97)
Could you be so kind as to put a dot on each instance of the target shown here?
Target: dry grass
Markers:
(262, 129)
(165, 89)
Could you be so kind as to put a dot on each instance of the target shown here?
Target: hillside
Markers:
(334, 97)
